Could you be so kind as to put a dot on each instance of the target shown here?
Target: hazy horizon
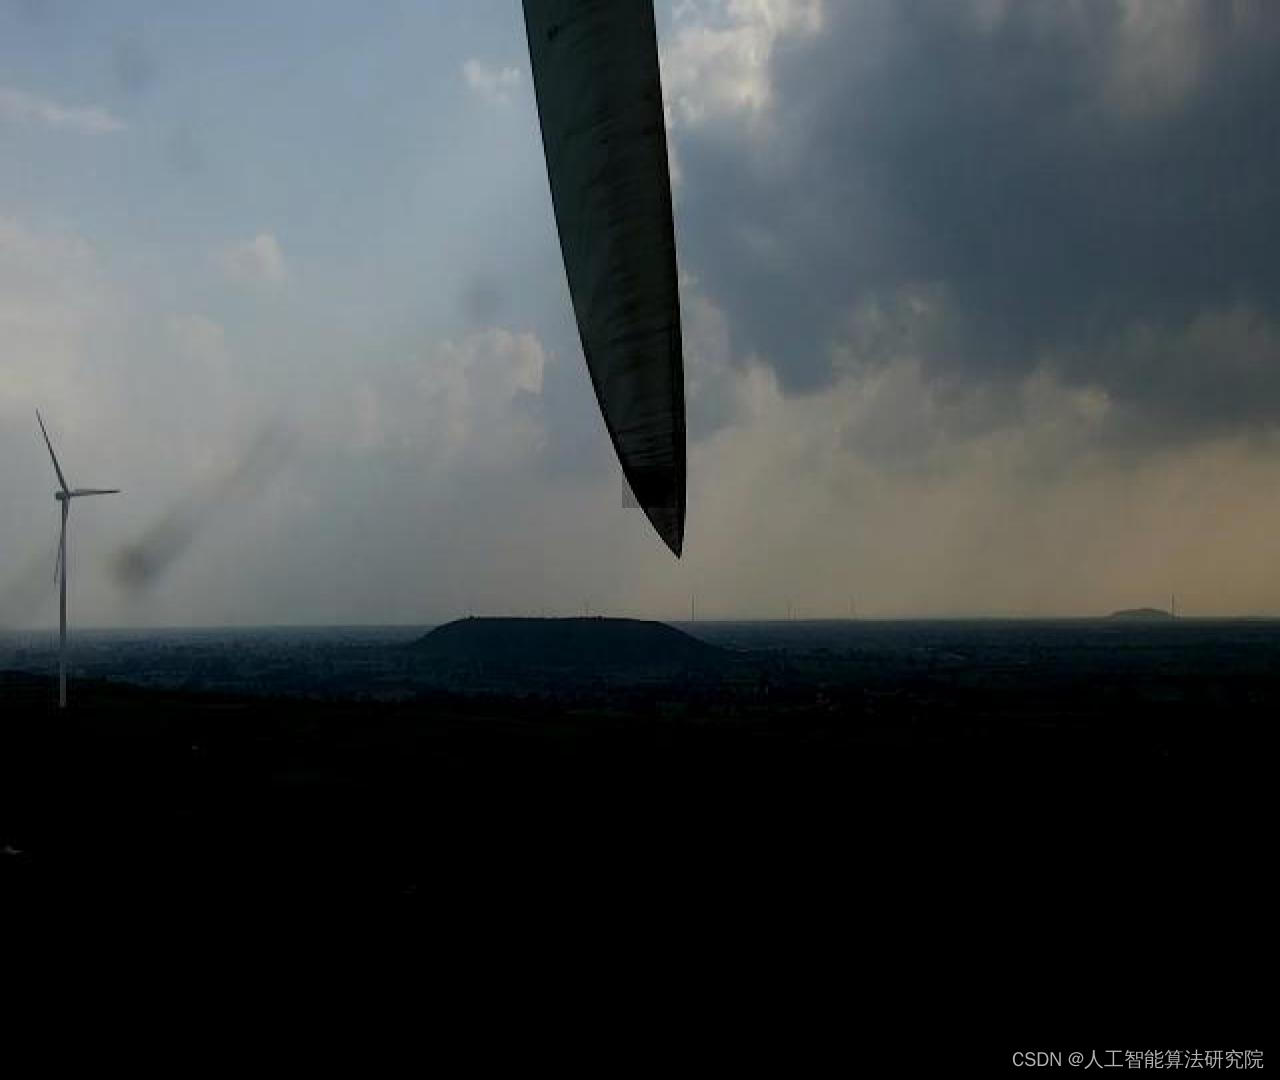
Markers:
(980, 308)
(672, 620)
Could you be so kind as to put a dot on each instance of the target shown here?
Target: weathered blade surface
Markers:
(595, 73)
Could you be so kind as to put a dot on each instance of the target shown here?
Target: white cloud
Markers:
(717, 62)
(455, 401)
(798, 501)
(491, 83)
(53, 304)
(198, 344)
(19, 107)
(1159, 56)
(473, 386)
(1167, 50)
(255, 262)
(1157, 53)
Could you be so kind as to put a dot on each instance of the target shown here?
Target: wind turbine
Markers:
(64, 495)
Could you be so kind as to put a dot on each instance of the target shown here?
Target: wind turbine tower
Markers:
(64, 495)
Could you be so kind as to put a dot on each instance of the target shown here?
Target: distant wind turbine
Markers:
(64, 495)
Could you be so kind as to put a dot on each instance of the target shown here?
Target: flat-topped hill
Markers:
(584, 643)
(1149, 614)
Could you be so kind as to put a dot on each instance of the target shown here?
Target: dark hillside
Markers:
(597, 644)
(1143, 613)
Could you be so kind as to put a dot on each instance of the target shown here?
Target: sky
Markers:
(979, 300)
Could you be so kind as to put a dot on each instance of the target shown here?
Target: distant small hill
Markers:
(1149, 614)
(571, 644)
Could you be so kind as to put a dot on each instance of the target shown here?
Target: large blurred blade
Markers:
(595, 73)
(95, 491)
(56, 467)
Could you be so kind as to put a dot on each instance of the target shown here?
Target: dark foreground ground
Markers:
(1016, 848)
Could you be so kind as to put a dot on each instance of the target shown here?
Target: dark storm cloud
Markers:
(1069, 191)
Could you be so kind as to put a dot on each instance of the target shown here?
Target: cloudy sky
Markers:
(980, 303)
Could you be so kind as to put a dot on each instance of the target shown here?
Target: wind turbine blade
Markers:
(599, 95)
(94, 491)
(57, 562)
(56, 467)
